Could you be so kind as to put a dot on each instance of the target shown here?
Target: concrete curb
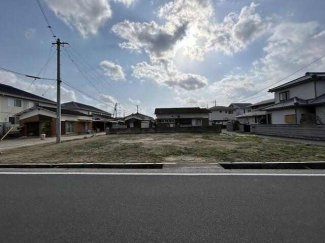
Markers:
(86, 165)
(274, 165)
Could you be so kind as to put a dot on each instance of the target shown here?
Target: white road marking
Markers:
(155, 174)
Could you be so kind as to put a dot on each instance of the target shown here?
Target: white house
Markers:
(299, 101)
(221, 114)
(182, 117)
(241, 108)
(13, 100)
(257, 115)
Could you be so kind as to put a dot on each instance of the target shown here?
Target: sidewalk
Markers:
(296, 140)
(22, 142)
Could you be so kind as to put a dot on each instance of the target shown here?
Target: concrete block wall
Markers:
(315, 132)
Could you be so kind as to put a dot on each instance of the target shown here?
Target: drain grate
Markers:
(273, 166)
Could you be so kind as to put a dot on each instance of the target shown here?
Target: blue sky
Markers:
(161, 53)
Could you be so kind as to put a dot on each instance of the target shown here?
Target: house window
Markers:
(14, 102)
(290, 119)
(220, 111)
(69, 127)
(230, 112)
(12, 120)
(197, 122)
(284, 95)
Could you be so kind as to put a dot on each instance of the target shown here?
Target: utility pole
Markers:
(58, 44)
(115, 110)
(137, 108)
(215, 103)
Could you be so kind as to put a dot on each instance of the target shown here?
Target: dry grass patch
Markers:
(169, 148)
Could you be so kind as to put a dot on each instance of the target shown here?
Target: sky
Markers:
(161, 53)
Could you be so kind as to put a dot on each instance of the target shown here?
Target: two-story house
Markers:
(13, 100)
(257, 115)
(182, 117)
(240, 108)
(221, 115)
(300, 101)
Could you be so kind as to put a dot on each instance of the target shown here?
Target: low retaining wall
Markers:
(315, 132)
(212, 129)
(129, 131)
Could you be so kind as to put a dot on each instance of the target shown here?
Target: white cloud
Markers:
(204, 34)
(191, 101)
(190, 30)
(165, 73)
(290, 47)
(127, 3)
(112, 70)
(30, 33)
(107, 99)
(158, 41)
(236, 31)
(135, 102)
(86, 16)
(37, 88)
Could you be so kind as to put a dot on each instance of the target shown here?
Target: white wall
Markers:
(320, 112)
(198, 115)
(278, 116)
(7, 111)
(320, 88)
(216, 115)
(302, 91)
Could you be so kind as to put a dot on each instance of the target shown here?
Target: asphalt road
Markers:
(161, 208)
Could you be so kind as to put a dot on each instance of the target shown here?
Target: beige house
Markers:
(13, 101)
(221, 114)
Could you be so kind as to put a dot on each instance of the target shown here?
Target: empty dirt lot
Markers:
(167, 148)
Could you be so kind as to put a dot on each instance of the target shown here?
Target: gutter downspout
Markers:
(295, 102)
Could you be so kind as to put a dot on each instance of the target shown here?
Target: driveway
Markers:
(23, 142)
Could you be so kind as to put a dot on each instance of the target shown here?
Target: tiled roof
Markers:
(76, 105)
(181, 110)
(138, 115)
(241, 105)
(9, 90)
(263, 102)
(308, 77)
(287, 104)
(317, 100)
(252, 114)
(63, 111)
(221, 108)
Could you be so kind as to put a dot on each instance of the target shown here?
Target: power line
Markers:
(79, 69)
(100, 75)
(25, 75)
(46, 19)
(80, 91)
(316, 60)
(29, 76)
(83, 71)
